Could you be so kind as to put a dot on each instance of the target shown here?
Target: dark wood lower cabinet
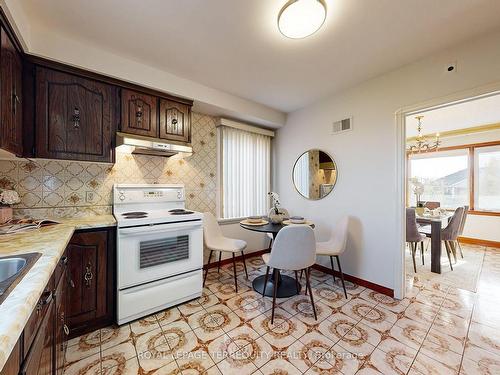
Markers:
(39, 359)
(91, 272)
(79, 298)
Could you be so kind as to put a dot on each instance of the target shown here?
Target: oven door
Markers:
(154, 252)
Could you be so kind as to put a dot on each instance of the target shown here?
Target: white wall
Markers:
(367, 156)
(482, 227)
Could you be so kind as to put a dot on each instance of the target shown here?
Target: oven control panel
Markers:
(153, 194)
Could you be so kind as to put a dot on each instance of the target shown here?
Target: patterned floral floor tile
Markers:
(439, 330)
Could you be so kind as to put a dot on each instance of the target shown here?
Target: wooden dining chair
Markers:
(294, 249)
(413, 237)
(432, 205)
(214, 240)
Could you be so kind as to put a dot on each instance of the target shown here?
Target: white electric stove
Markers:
(159, 249)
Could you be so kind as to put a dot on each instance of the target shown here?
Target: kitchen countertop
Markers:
(50, 241)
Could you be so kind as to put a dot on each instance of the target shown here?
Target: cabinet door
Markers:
(90, 298)
(11, 97)
(75, 117)
(139, 113)
(175, 121)
(39, 359)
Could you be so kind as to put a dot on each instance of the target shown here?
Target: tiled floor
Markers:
(437, 329)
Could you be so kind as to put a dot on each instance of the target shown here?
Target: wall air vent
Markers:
(342, 125)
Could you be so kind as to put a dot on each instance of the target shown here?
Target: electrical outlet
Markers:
(89, 196)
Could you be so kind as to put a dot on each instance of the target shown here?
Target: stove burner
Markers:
(135, 215)
(179, 211)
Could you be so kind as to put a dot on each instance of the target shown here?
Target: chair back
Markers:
(432, 205)
(211, 230)
(450, 233)
(338, 238)
(412, 234)
(462, 222)
(294, 248)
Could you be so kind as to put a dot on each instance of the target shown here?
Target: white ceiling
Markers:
(234, 45)
(483, 111)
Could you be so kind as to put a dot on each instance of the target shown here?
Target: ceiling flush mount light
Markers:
(301, 18)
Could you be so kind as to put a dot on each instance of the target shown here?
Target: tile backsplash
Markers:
(68, 188)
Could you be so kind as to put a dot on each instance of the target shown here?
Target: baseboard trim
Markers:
(238, 258)
(367, 284)
(477, 241)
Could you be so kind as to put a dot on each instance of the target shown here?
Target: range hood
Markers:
(137, 144)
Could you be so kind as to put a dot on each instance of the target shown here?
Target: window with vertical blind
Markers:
(245, 167)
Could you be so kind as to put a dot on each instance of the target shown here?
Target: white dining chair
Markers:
(335, 246)
(214, 240)
(293, 250)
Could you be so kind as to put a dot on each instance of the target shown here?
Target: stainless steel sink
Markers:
(10, 267)
(12, 270)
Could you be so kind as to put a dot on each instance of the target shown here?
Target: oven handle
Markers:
(159, 228)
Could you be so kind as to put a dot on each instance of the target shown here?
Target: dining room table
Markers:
(437, 223)
(287, 286)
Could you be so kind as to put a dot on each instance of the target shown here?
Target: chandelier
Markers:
(421, 143)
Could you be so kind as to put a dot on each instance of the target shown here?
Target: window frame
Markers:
(472, 166)
(220, 167)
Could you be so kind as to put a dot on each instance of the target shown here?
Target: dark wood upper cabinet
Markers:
(11, 70)
(91, 291)
(75, 117)
(175, 121)
(139, 113)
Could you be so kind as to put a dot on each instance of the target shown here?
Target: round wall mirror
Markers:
(314, 174)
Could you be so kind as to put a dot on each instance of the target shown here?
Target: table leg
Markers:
(436, 246)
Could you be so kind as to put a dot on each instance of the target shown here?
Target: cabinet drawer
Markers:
(38, 314)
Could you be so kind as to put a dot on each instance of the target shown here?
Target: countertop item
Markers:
(51, 242)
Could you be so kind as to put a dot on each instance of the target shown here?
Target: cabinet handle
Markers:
(138, 114)
(88, 275)
(15, 100)
(44, 300)
(66, 330)
(76, 118)
(174, 121)
(64, 260)
(71, 283)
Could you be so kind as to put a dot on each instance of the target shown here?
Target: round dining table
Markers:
(287, 286)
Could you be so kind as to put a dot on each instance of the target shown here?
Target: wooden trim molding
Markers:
(367, 284)
(478, 241)
(465, 131)
(484, 213)
(238, 258)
